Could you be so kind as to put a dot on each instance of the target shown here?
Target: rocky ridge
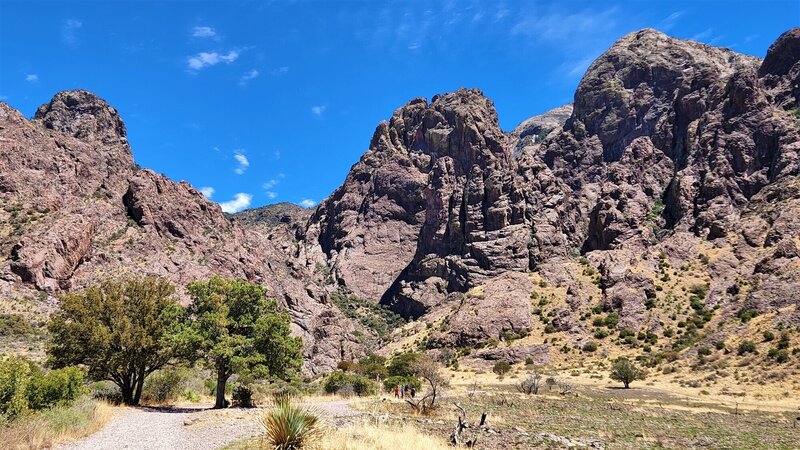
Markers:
(671, 181)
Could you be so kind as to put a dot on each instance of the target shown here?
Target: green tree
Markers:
(373, 366)
(121, 331)
(402, 364)
(236, 330)
(625, 371)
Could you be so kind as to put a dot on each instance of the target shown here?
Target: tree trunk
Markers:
(222, 380)
(137, 395)
(127, 393)
(626, 383)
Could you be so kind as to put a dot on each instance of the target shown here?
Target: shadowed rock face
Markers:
(669, 148)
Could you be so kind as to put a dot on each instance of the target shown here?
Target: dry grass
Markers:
(381, 437)
(58, 424)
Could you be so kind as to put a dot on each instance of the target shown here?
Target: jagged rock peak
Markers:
(783, 54)
(83, 115)
(461, 125)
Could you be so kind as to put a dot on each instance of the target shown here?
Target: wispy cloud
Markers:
(270, 184)
(670, 21)
(283, 70)
(240, 201)
(203, 32)
(208, 59)
(207, 191)
(69, 29)
(31, 78)
(244, 163)
(271, 194)
(318, 110)
(307, 203)
(247, 76)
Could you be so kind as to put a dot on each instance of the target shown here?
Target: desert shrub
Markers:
(24, 387)
(528, 361)
(531, 384)
(703, 350)
(501, 368)
(747, 346)
(243, 396)
(769, 336)
(410, 380)
(163, 386)
(780, 356)
(719, 345)
(611, 320)
(14, 325)
(106, 391)
(549, 328)
(590, 346)
(291, 427)
(746, 314)
(338, 382)
(600, 333)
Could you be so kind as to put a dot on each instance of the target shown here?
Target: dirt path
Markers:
(193, 428)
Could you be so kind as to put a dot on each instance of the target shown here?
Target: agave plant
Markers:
(291, 427)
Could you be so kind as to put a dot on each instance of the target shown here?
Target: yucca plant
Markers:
(291, 427)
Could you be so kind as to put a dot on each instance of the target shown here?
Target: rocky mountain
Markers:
(76, 208)
(666, 194)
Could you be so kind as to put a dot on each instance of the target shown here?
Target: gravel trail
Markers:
(193, 428)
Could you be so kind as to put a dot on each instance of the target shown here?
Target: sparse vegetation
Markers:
(288, 426)
(626, 372)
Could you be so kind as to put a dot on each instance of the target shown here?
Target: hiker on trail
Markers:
(396, 391)
(413, 392)
(403, 391)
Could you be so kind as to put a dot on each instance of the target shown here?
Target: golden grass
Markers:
(58, 424)
(364, 436)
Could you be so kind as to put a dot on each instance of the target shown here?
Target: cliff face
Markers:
(671, 180)
(671, 149)
(75, 209)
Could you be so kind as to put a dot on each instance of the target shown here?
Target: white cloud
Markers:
(277, 154)
(318, 110)
(244, 163)
(207, 59)
(207, 191)
(279, 71)
(272, 183)
(240, 202)
(32, 77)
(271, 194)
(68, 31)
(247, 76)
(307, 203)
(203, 32)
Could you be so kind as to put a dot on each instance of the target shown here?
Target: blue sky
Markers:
(261, 102)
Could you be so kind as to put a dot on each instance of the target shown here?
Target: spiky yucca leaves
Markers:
(291, 427)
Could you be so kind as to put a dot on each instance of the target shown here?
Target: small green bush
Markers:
(590, 346)
(501, 368)
(243, 396)
(341, 382)
(747, 346)
(163, 386)
(24, 386)
(768, 336)
(390, 383)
